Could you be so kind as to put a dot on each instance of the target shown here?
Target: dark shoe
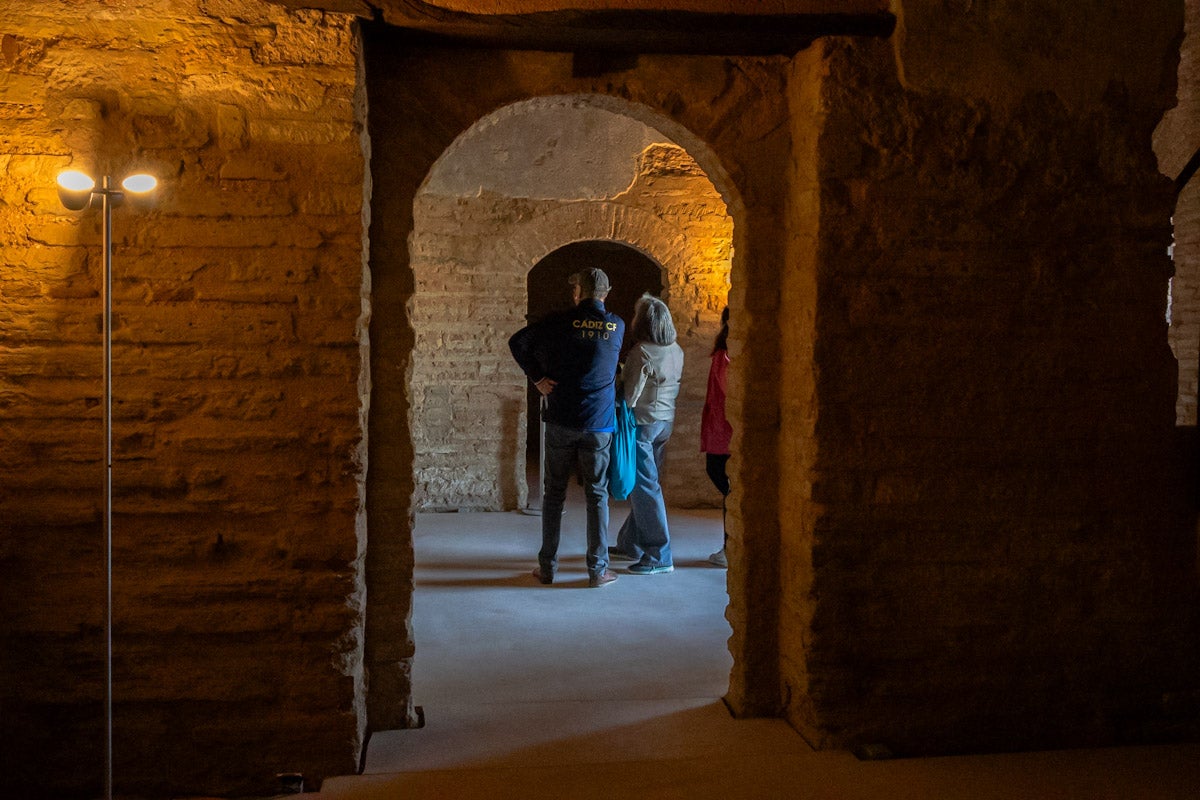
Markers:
(603, 579)
(547, 579)
(617, 554)
(650, 569)
(718, 559)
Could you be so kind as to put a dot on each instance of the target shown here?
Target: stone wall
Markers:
(999, 554)
(1175, 142)
(238, 396)
(956, 523)
(471, 255)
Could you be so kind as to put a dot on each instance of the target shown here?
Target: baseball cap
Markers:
(591, 281)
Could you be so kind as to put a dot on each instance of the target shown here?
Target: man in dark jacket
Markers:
(572, 360)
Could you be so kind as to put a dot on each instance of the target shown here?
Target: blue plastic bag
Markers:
(622, 466)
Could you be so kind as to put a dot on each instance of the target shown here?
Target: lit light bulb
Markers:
(75, 189)
(139, 184)
(75, 181)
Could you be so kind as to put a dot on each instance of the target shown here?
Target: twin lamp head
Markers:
(77, 189)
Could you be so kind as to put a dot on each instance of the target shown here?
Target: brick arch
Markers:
(654, 237)
(680, 257)
(470, 257)
(708, 160)
(414, 125)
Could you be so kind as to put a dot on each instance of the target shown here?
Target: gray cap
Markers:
(591, 282)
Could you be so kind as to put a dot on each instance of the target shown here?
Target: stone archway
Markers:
(422, 99)
(476, 238)
(548, 289)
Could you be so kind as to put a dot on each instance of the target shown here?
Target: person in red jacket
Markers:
(715, 430)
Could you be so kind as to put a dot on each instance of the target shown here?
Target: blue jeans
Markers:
(644, 535)
(567, 450)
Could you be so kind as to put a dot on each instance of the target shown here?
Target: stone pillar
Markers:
(1176, 140)
(998, 531)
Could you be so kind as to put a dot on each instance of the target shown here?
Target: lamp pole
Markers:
(106, 211)
(76, 191)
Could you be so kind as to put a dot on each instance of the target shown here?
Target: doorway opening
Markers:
(519, 201)
(522, 199)
(467, 198)
(631, 273)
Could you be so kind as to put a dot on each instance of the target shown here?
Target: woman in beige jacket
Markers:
(651, 377)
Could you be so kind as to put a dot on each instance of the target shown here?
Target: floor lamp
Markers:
(77, 191)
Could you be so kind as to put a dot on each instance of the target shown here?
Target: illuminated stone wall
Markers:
(957, 521)
(237, 396)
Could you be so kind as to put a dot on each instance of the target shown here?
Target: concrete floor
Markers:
(562, 691)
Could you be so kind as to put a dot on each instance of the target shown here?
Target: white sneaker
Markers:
(718, 559)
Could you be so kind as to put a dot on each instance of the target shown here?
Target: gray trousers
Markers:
(568, 450)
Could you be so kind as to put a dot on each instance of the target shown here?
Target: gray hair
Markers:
(592, 282)
(652, 321)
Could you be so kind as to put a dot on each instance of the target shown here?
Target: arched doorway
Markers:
(575, 180)
(493, 243)
(631, 272)
(495, 237)
(413, 132)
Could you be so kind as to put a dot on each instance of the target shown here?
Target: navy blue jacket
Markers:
(578, 349)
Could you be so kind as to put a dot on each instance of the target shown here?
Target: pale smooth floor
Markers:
(562, 691)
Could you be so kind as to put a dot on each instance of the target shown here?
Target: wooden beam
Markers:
(623, 31)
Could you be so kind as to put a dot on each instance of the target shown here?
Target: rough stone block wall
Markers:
(1000, 546)
(1185, 302)
(1176, 140)
(798, 377)
(467, 396)
(471, 256)
(237, 400)
(981, 531)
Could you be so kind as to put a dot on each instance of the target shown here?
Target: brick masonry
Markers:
(990, 519)
(238, 427)
(1175, 142)
(957, 507)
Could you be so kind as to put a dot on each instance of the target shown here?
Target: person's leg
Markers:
(715, 465)
(559, 463)
(593, 453)
(628, 538)
(647, 499)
